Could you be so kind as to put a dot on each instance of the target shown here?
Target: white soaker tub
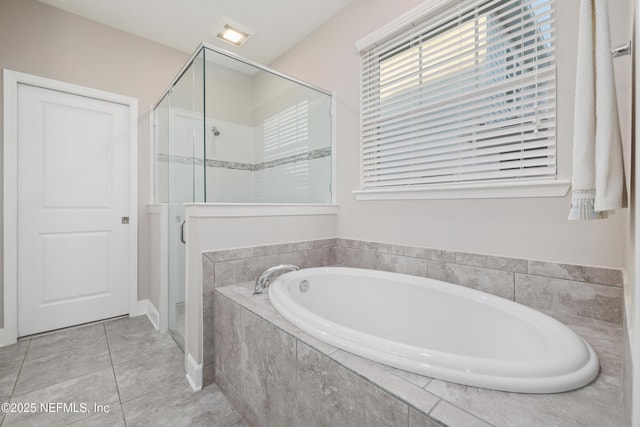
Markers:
(436, 329)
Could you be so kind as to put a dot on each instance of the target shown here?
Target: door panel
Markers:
(73, 167)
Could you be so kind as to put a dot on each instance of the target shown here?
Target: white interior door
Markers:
(73, 192)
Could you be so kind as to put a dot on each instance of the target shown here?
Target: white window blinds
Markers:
(466, 94)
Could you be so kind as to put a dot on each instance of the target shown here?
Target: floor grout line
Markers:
(24, 358)
(115, 378)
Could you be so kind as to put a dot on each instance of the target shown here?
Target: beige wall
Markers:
(211, 228)
(41, 40)
(528, 228)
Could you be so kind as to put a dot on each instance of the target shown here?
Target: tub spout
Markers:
(263, 280)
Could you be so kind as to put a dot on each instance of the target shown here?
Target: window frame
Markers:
(550, 186)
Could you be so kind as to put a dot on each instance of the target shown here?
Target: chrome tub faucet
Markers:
(263, 281)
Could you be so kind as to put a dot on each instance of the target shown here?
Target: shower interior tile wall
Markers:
(273, 151)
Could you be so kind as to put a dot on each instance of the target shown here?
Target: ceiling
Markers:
(183, 24)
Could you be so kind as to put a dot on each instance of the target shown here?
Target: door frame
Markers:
(11, 80)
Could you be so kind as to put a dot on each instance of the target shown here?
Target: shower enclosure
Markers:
(232, 131)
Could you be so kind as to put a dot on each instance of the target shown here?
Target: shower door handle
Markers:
(182, 232)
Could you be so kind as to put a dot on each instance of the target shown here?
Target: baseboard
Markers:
(194, 373)
(7, 337)
(146, 307)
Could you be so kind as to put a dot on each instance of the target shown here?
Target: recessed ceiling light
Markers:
(232, 35)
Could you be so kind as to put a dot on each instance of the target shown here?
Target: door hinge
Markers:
(125, 220)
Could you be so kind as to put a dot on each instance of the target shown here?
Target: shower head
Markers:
(215, 131)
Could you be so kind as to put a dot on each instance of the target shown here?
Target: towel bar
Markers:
(622, 50)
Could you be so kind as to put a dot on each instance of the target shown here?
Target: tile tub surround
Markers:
(226, 267)
(275, 374)
(556, 289)
(142, 384)
(562, 289)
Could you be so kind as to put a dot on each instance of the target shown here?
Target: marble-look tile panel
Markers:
(418, 419)
(14, 352)
(132, 342)
(208, 374)
(348, 243)
(96, 388)
(260, 305)
(487, 261)
(178, 406)
(356, 258)
(260, 360)
(8, 377)
(570, 297)
(232, 420)
(324, 243)
(601, 276)
(208, 275)
(370, 246)
(401, 264)
(415, 379)
(331, 395)
(396, 386)
(450, 415)
(432, 254)
(500, 283)
(229, 254)
(112, 418)
(270, 385)
(129, 326)
(281, 248)
(138, 377)
(227, 334)
(207, 336)
(254, 251)
(381, 261)
(320, 257)
(237, 401)
(596, 405)
(606, 339)
(65, 340)
(59, 367)
(242, 270)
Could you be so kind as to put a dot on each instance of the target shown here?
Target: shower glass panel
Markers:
(185, 179)
(268, 138)
(231, 131)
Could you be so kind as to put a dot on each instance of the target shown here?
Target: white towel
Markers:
(598, 178)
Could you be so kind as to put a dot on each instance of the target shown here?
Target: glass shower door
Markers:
(185, 182)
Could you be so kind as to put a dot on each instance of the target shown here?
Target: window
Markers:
(283, 136)
(286, 132)
(465, 95)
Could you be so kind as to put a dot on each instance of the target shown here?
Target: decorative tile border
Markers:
(223, 164)
(310, 155)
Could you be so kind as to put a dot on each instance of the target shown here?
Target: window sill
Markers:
(492, 190)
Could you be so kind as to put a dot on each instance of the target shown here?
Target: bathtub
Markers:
(436, 329)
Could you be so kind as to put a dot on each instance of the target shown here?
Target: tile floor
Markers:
(124, 364)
